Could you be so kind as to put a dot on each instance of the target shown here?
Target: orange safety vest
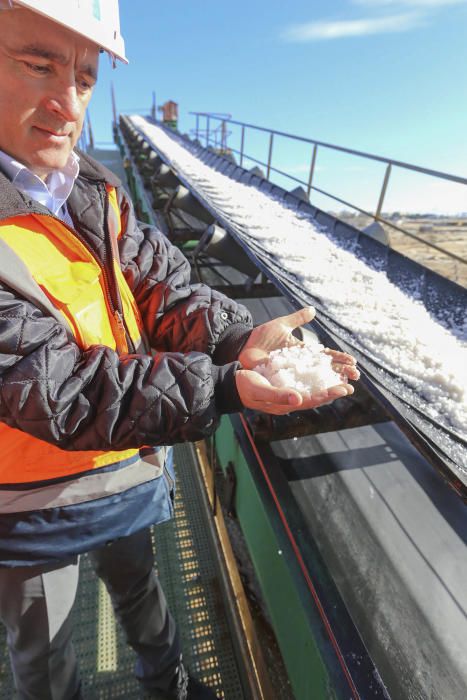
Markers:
(75, 283)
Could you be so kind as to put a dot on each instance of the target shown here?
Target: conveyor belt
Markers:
(446, 301)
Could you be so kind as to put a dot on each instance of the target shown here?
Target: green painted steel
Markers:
(136, 187)
(307, 672)
(187, 245)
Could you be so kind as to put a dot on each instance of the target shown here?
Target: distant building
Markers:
(169, 114)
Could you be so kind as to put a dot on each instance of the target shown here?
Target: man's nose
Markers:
(65, 103)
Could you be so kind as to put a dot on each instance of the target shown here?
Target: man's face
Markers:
(47, 74)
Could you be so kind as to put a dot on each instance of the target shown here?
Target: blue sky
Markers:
(384, 76)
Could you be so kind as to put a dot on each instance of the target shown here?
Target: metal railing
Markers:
(217, 136)
(310, 183)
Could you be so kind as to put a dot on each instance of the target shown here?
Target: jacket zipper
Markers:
(123, 337)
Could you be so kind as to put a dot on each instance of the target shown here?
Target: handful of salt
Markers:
(306, 368)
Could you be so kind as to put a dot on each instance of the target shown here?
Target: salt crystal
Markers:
(306, 368)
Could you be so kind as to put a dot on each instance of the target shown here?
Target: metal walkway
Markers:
(188, 570)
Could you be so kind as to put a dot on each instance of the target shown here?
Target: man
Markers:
(106, 355)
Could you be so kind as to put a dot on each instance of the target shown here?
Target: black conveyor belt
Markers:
(444, 300)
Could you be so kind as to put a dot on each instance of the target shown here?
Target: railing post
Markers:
(312, 169)
(242, 145)
(224, 138)
(207, 131)
(197, 127)
(383, 192)
(114, 106)
(271, 139)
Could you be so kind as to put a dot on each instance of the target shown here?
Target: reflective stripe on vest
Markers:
(73, 280)
(85, 488)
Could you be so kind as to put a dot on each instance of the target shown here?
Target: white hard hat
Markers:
(97, 20)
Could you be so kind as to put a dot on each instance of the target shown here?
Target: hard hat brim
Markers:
(109, 40)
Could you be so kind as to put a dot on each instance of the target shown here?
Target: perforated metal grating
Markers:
(188, 572)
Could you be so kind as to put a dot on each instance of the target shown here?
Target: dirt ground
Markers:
(447, 233)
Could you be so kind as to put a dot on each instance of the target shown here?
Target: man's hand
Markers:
(257, 393)
(273, 335)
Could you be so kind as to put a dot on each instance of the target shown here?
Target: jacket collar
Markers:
(14, 203)
(90, 169)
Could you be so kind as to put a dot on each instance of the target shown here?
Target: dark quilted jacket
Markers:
(96, 399)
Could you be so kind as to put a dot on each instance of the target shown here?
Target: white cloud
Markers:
(316, 31)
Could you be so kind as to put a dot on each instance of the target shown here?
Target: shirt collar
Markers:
(54, 191)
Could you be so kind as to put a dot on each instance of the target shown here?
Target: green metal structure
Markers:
(287, 605)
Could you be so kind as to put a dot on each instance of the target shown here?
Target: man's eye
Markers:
(85, 84)
(36, 68)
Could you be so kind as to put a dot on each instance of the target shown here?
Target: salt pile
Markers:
(307, 368)
(425, 360)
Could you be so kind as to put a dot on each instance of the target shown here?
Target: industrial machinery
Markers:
(353, 515)
(321, 554)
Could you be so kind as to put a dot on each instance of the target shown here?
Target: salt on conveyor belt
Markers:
(389, 325)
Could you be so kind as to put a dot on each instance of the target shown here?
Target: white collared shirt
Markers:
(52, 192)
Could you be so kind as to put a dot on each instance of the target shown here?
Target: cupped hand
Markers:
(258, 394)
(277, 334)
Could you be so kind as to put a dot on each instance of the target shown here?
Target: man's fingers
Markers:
(315, 401)
(350, 371)
(292, 400)
(340, 390)
(339, 356)
(255, 389)
(300, 317)
(257, 393)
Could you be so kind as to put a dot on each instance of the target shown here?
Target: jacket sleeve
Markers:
(177, 315)
(96, 399)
